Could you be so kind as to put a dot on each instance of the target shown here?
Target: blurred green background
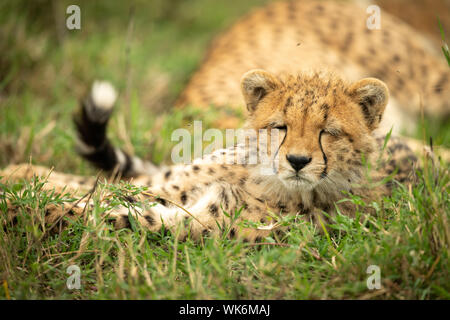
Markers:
(147, 49)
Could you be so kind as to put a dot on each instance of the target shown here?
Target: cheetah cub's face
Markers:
(324, 124)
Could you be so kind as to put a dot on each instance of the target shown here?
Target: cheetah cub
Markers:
(323, 146)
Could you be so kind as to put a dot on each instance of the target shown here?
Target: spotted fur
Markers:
(319, 116)
(327, 122)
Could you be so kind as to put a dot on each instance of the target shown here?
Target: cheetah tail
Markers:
(91, 121)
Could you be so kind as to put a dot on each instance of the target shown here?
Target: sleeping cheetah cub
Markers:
(325, 140)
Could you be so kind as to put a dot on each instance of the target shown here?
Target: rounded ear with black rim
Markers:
(372, 95)
(255, 85)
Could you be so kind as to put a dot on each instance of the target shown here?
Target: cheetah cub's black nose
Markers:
(298, 162)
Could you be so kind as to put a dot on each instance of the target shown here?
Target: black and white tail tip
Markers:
(91, 122)
(100, 102)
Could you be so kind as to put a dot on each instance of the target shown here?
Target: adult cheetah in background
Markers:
(298, 36)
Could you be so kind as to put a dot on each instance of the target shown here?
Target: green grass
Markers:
(408, 238)
(445, 49)
(149, 52)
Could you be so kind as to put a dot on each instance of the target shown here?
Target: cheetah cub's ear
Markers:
(255, 85)
(372, 95)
